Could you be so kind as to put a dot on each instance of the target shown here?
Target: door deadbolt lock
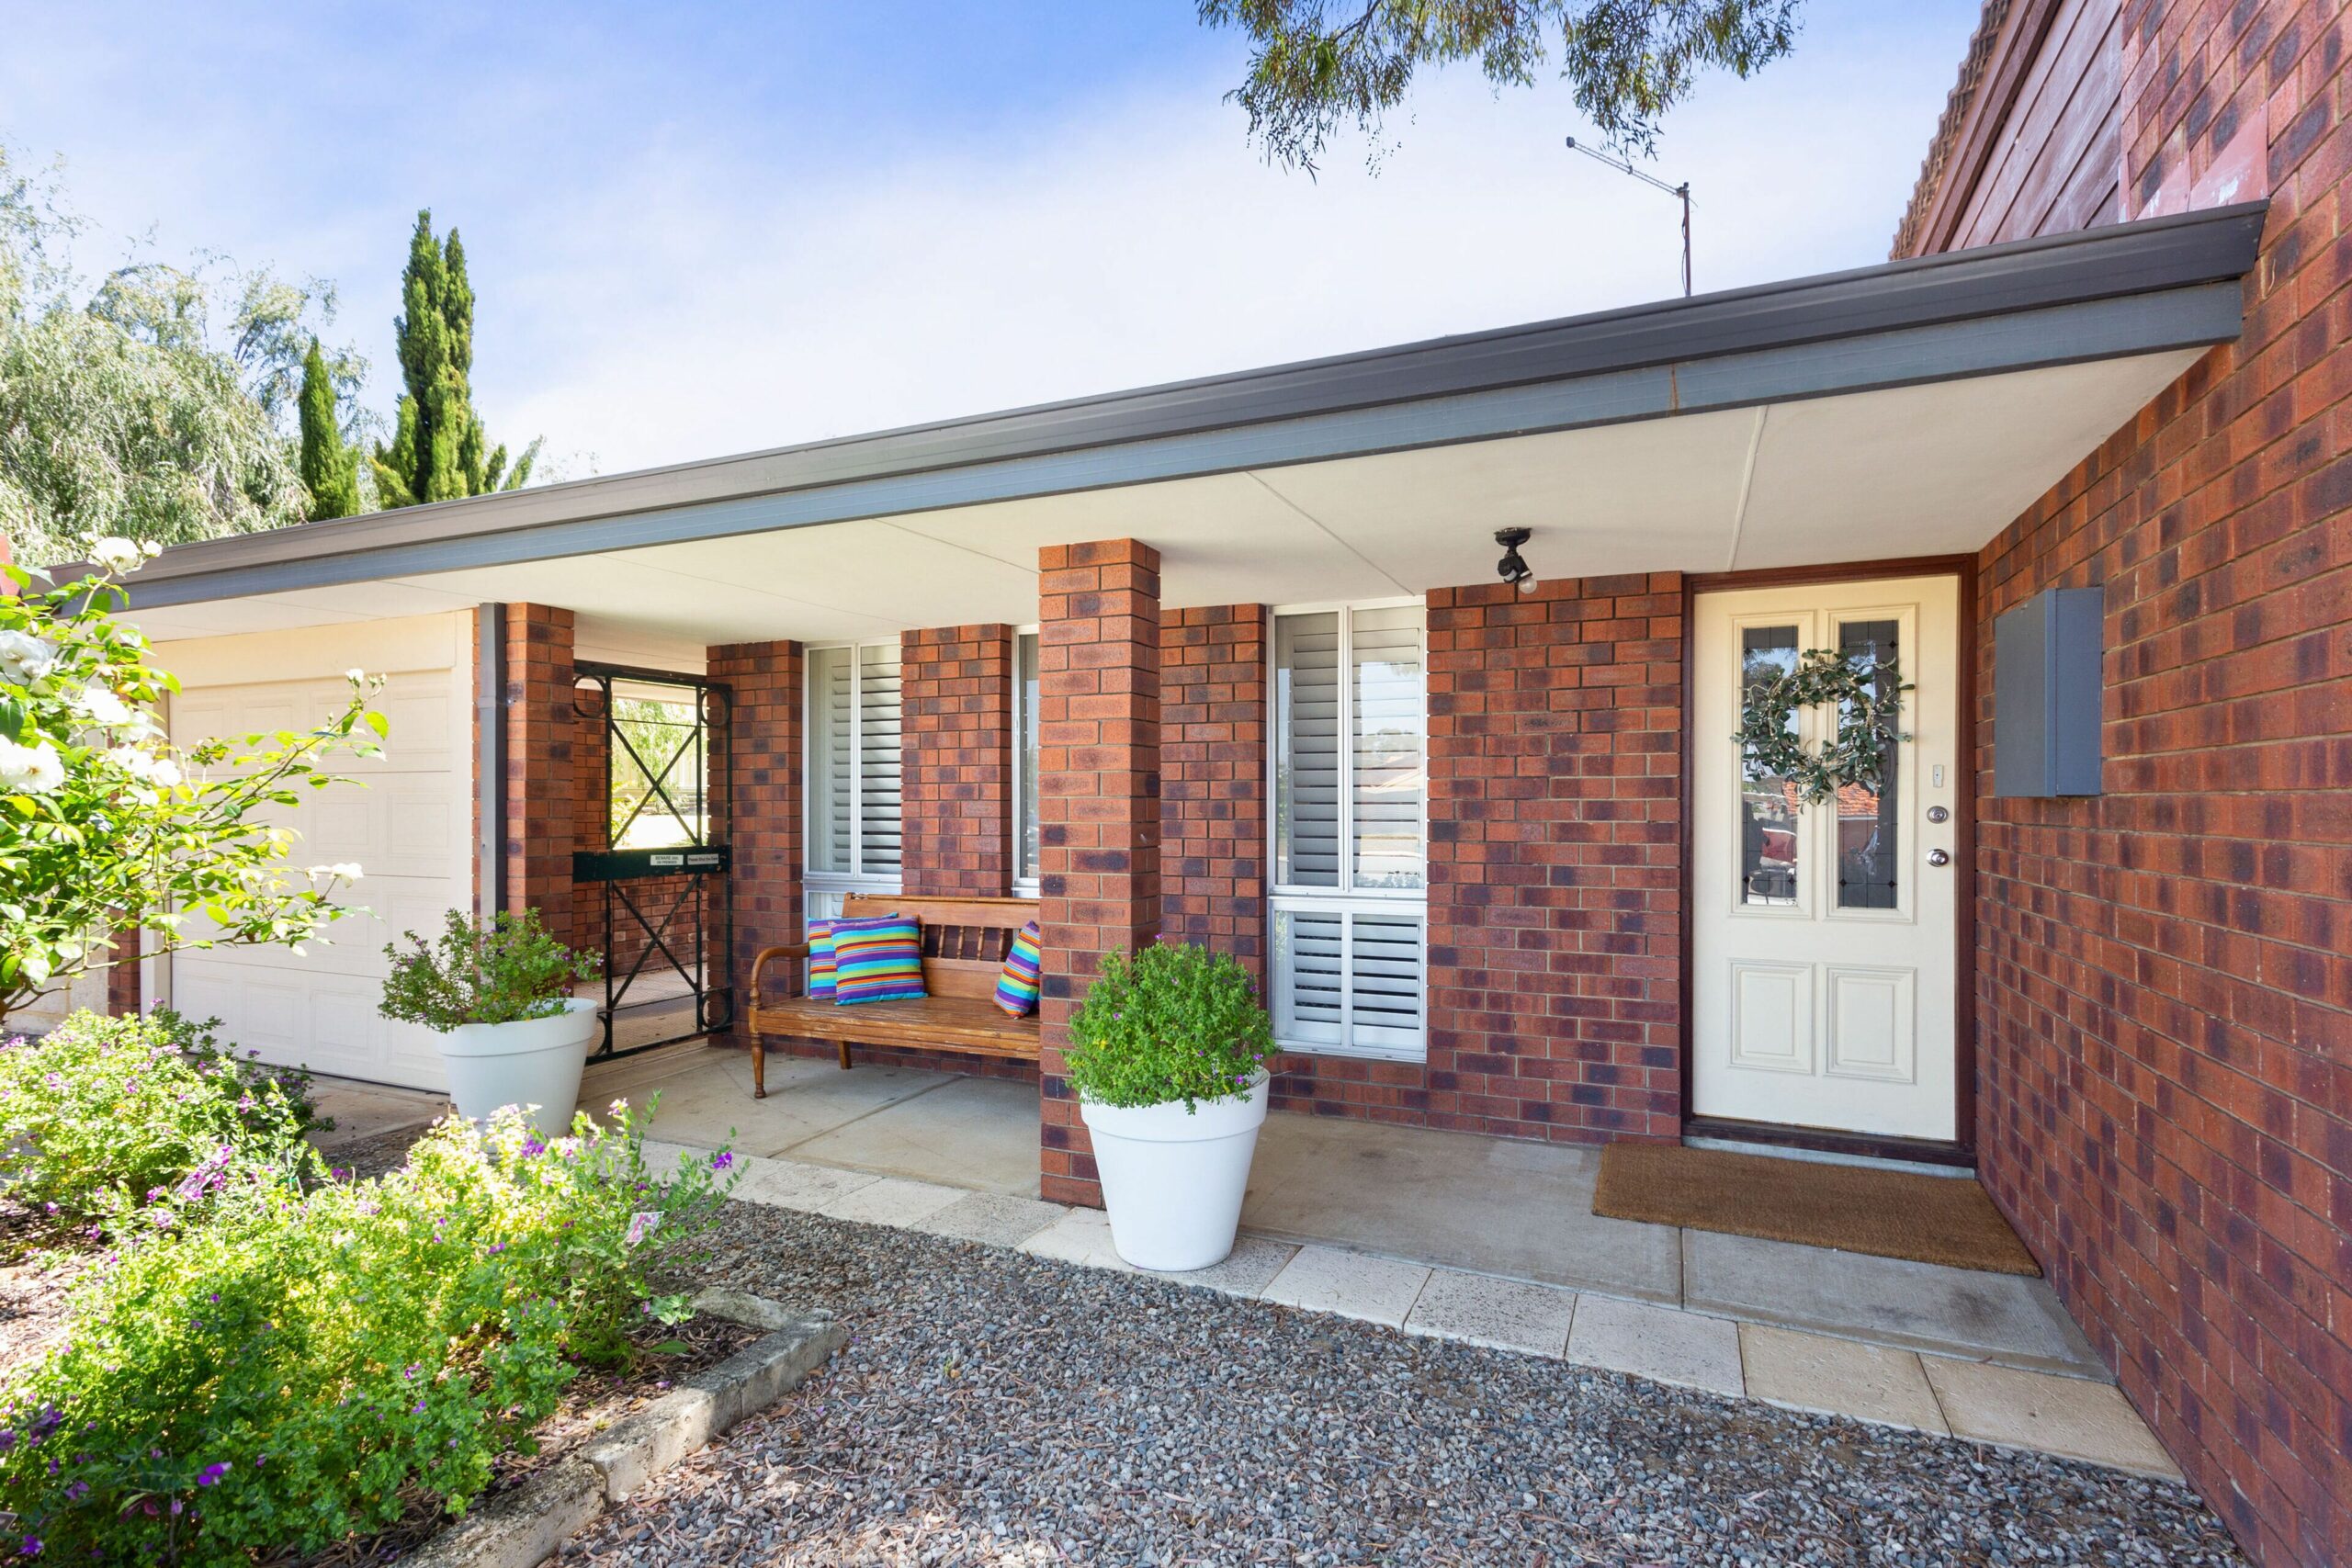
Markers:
(1938, 814)
(1939, 857)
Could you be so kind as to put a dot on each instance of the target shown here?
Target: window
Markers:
(1351, 785)
(1025, 764)
(853, 770)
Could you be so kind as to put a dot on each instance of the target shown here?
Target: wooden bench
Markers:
(964, 943)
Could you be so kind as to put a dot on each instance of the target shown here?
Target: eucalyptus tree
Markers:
(1316, 65)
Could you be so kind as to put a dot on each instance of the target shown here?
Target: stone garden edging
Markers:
(530, 1524)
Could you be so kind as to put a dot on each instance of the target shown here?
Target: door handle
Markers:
(1939, 857)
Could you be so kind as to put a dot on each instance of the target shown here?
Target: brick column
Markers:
(542, 788)
(1212, 765)
(762, 737)
(1098, 797)
(956, 690)
(1556, 876)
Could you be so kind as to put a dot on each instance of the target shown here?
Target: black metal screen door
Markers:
(658, 895)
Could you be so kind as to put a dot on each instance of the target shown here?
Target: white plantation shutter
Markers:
(1389, 733)
(1307, 696)
(1309, 986)
(1352, 790)
(879, 758)
(1387, 979)
(853, 766)
(833, 744)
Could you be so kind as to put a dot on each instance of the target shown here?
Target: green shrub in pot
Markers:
(504, 970)
(1173, 1023)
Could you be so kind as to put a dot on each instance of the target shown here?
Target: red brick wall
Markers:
(956, 692)
(1213, 780)
(2162, 985)
(763, 737)
(542, 793)
(1097, 798)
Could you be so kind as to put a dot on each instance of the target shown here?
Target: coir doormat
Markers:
(1890, 1214)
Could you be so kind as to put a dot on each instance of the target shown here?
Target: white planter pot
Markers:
(534, 1063)
(1173, 1180)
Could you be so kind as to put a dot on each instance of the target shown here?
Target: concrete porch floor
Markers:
(1514, 1209)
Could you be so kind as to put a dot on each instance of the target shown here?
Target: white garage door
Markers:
(408, 825)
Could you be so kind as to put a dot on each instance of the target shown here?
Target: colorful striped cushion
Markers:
(877, 960)
(820, 959)
(1016, 986)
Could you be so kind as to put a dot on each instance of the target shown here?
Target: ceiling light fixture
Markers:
(1513, 569)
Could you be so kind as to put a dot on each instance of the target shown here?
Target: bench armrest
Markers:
(759, 965)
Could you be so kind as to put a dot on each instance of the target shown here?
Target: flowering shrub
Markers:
(110, 1113)
(1173, 1023)
(501, 970)
(276, 1363)
(108, 827)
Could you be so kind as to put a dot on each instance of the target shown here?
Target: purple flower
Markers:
(723, 1159)
(77, 1491)
(420, 1409)
(211, 1473)
(531, 1146)
(32, 1547)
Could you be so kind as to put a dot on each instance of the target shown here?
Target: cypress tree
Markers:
(329, 469)
(437, 446)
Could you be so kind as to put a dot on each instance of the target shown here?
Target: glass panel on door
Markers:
(1768, 803)
(1866, 816)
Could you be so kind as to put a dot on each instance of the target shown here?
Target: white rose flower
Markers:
(101, 705)
(30, 770)
(355, 675)
(116, 553)
(347, 870)
(24, 658)
(164, 773)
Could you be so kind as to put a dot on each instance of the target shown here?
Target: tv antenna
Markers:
(1683, 191)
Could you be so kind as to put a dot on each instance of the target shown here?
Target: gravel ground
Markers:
(994, 1409)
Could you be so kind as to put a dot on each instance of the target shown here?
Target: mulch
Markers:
(1888, 1214)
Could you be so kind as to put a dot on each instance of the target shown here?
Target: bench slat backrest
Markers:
(963, 939)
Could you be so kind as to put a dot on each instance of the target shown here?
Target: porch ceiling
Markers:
(1908, 409)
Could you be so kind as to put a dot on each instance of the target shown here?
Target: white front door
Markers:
(1823, 965)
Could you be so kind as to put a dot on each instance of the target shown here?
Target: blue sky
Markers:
(700, 229)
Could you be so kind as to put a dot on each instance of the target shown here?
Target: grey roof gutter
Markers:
(2130, 288)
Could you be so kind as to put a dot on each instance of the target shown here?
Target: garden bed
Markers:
(594, 1402)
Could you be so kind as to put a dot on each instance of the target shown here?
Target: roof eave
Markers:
(2140, 288)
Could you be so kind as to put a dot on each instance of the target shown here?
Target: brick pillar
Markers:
(1556, 875)
(956, 688)
(763, 736)
(542, 794)
(1213, 766)
(1097, 798)
(123, 995)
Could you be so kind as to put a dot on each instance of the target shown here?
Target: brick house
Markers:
(1229, 661)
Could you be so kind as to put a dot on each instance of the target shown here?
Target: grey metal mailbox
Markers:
(2046, 694)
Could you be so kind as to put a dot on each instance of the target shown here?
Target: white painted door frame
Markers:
(1832, 1006)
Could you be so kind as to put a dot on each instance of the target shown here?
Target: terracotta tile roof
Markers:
(1963, 94)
